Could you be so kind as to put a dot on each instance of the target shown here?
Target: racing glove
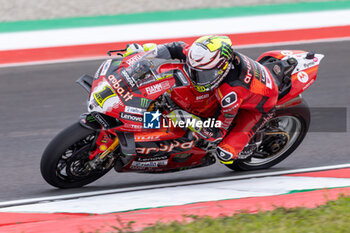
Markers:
(210, 134)
(136, 48)
(182, 118)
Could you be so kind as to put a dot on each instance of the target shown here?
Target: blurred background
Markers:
(14, 10)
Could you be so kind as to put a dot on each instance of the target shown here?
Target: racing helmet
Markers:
(208, 61)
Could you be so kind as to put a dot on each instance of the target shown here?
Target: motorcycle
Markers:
(127, 125)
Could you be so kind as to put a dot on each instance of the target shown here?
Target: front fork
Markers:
(105, 143)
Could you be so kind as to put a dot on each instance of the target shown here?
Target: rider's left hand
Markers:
(133, 48)
(210, 134)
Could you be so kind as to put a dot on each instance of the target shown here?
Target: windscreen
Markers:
(143, 71)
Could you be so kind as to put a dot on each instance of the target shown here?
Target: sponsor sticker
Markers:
(263, 76)
(154, 89)
(129, 80)
(120, 90)
(134, 110)
(229, 115)
(97, 74)
(144, 102)
(202, 97)
(249, 74)
(166, 147)
(133, 126)
(133, 59)
(231, 109)
(277, 69)
(149, 164)
(303, 77)
(146, 138)
(182, 78)
(100, 119)
(157, 88)
(106, 67)
(268, 78)
(286, 52)
(309, 64)
(157, 158)
(287, 71)
(130, 117)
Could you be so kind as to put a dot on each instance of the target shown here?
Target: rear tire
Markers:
(300, 113)
(64, 158)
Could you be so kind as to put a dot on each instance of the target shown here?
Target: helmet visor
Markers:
(202, 77)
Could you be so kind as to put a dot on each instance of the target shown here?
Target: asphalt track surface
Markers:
(37, 101)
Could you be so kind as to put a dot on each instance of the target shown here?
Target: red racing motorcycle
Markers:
(128, 128)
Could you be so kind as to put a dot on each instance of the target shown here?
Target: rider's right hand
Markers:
(136, 48)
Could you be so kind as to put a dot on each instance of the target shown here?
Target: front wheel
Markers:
(281, 136)
(64, 161)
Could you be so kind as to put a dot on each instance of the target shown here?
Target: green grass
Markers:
(334, 216)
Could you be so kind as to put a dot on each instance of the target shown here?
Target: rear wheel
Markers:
(281, 136)
(64, 163)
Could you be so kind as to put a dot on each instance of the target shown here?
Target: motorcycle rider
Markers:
(244, 88)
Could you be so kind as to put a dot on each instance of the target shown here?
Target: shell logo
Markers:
(103, 147)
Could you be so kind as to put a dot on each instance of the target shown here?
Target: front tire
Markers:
(63, 163)
(299, 119)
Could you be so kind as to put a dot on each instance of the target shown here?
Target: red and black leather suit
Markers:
(246, 95)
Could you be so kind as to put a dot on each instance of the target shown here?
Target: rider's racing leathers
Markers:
(247, 96)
